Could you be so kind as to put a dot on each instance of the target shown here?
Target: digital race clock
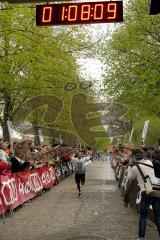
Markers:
(79, 13)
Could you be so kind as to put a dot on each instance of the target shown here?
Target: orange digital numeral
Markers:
(47, 14)
(112, 8)
(72, 13)
(96, 12)
(85, 12)
(63, 11)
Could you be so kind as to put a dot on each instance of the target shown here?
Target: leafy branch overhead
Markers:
(34, 60)
(133, 60)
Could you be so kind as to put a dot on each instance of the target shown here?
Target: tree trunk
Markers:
(36, 135)
(5, 132)
(7, 116)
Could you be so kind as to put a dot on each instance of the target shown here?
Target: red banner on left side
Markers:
(17, 188)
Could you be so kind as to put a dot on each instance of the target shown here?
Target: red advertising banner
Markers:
(17, 188)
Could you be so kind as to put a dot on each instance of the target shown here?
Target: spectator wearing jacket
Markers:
(3, 155)
(156, 163)
(158, 141)
(65, 157)
(147, 168)
(19, 162)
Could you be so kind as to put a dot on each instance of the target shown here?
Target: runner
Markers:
(79, 162)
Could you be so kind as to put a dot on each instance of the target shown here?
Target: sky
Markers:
(93, 69)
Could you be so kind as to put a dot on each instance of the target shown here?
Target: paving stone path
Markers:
(60, 215)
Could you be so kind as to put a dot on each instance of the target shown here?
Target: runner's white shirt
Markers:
(79, 164)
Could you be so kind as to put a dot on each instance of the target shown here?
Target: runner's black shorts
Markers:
(80, 178)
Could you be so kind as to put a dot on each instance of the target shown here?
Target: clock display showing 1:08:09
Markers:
(79, 13)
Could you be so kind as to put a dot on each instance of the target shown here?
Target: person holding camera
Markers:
(146, 166)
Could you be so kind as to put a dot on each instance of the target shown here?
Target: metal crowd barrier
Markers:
(62, 169)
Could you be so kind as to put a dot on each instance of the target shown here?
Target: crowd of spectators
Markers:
(127, 156)
(123, 158)
(25, 155)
